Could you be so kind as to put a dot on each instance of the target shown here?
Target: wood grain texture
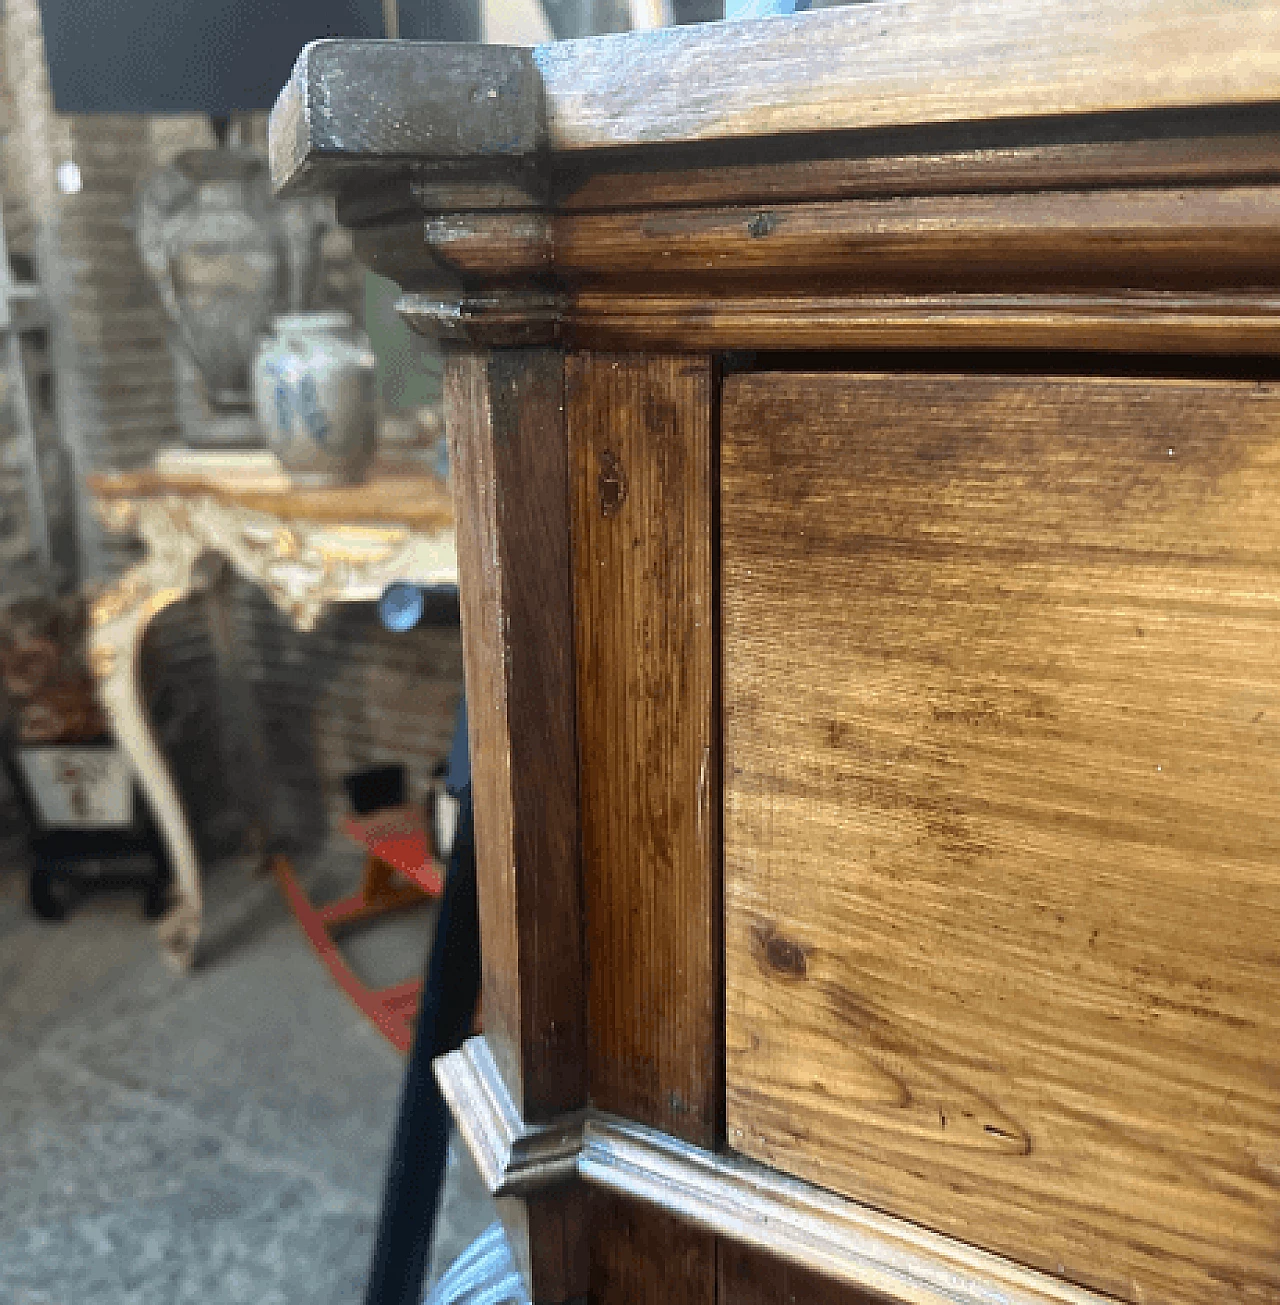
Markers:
(897, 62)
(446, 250)
(746, 1277)
(1157, 322)
(975, 158)
(352, 109)
(640, 434)
(505, 418)
(1162, 238)
(725, 1195)
(751, 1205)
(1002, 898)
(550, 1237)
(875, 65)
(641, 1256)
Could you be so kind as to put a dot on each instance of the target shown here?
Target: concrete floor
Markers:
(215, 1138)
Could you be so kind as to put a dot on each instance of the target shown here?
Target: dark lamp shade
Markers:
(187, 56)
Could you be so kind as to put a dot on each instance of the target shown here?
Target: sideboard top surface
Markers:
(391, 497)
(890, 64)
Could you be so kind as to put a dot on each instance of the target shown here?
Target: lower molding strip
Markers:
(734, 1198)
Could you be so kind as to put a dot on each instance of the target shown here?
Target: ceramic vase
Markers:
(315, 384)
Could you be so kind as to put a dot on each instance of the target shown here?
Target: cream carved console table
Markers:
(866, 443)
(306, 548)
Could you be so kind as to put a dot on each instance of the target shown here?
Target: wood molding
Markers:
(874, 65)
(1135, 322)
(506, 319)
(303, 564)
(1169, 322)
(506, 277)
(738, 1199)
(1152, 238)
(1207, 146)
(512, 1157)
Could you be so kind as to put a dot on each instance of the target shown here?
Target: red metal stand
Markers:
(397, 850)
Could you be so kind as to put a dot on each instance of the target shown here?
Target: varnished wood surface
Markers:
(870, 65)
(746, 1277)
(737, 1200)
(640, 435)
(1185, 238)
(1002, 897)
(550, 1233)
(641, 1256)
(899, 63)
(423, 502)
(1223, 323)
(505, 415)
(1160, 238)
(1231, 147)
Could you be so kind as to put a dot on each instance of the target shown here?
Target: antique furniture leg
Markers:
(120, 618)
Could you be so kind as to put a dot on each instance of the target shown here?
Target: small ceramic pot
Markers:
(315, 385)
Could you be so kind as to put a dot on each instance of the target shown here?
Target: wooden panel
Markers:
(896, 64)
(1002, 745)
(507, 439)
(640, 432)
(641, 1256)
(745, 1277)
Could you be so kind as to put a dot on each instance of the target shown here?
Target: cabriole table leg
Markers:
(120, 618)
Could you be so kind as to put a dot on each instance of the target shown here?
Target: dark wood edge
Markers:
(509, 264)
(862, 67)
(1220, 324)
(730, 1197)
(504, 319)
(393, 103)
(1210, 324)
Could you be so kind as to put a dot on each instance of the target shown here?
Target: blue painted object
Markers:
(401, 606)
(763, 8)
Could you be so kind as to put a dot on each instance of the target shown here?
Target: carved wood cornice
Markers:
(510, 318)
(868, 67)
(696, 187)
(303, 566)
(728, 1196)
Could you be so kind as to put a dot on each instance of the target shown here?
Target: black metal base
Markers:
(56, 884)
(69, 864)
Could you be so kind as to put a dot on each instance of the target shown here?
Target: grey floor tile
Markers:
(218, 1137)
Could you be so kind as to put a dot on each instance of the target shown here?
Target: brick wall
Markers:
(303, 708)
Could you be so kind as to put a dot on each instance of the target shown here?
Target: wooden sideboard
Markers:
(867, 435)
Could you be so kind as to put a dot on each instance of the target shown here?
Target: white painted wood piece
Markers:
(302, 566)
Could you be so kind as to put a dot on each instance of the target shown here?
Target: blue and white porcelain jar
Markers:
(316, 393)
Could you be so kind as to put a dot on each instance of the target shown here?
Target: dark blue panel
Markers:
(187, 56)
